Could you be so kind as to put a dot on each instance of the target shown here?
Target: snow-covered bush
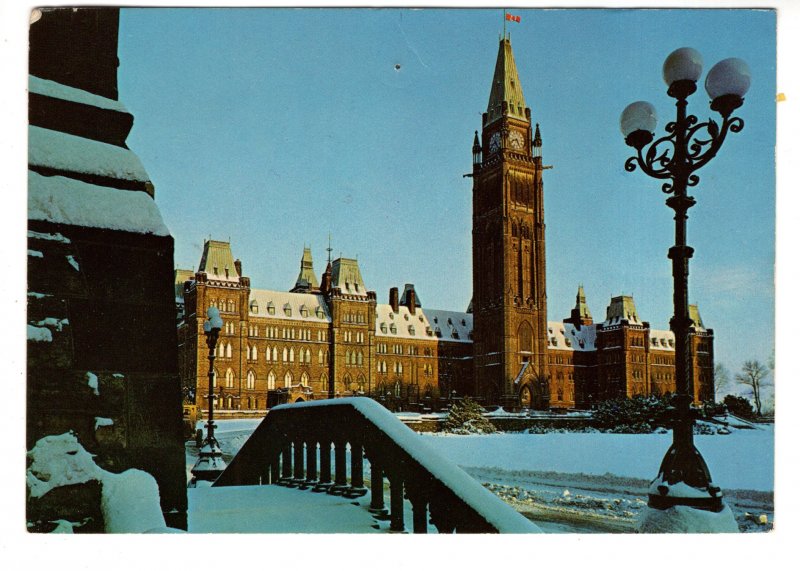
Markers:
(466, 417)
(640, 414)
(739, 406)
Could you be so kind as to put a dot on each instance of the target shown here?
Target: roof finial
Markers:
(329, 249)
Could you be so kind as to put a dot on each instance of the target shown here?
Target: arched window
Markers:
(320, 356)
(291, 355)
(229, 351)
(323, 380)
(221, 350)
(285, 354)
(251, 382)
(254, 353)
(304, 379)
(271, 381)
(229, 378)
(360, 382)
(287, 380)
(347, 358)
(214, 379)
(347, 382)
(275, 354)
(397, 389)
(360, 359)
(308, 356)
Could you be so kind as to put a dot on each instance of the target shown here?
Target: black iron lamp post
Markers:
(210, 464)
(674, 158)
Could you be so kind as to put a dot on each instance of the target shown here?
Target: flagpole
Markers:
(504, 22)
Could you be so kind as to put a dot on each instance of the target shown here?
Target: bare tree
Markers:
(722, 380)
(754, 375)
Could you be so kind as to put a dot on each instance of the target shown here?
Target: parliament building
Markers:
(330, 337)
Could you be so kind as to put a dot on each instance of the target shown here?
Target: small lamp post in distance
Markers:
(683, 478)
(210, 464)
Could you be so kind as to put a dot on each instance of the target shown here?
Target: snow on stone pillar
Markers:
(311, 463)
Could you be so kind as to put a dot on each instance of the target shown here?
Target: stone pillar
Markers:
(286, 464)
(340, 468)
(275, 469)
(419, 505)
(311, 465)
(324, 466)
(298, 464)
(356, 489)
(396, 505)
(376, 504)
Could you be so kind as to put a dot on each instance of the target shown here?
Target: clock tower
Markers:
(508, 247)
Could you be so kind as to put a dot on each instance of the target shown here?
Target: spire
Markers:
(506, 88)
(580, 315)
(306, 280)
(476, 150)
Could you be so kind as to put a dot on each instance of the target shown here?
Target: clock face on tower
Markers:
(516, 140)
(494, 142)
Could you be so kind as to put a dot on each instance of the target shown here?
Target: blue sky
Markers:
(275, 128)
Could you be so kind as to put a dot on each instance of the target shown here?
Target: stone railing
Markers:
(306, 445)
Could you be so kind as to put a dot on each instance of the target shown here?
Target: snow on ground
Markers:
(587, 482)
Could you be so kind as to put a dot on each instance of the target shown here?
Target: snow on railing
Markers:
(292, 446)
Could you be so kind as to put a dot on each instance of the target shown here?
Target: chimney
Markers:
(394, 299)
(412, 301)
(238, 265)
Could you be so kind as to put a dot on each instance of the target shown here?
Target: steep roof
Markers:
(346, 275)
(580, 304)
(622, 308)
(308, 307)
(505, 86)
(217, 261)
(306, 278)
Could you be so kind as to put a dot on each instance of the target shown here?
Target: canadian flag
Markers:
(512, 18)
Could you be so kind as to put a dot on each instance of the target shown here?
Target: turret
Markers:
(476, 153)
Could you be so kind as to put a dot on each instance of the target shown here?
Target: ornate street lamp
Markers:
(210, 464)
(674, 158)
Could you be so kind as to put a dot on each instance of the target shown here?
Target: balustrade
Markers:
(292, 447)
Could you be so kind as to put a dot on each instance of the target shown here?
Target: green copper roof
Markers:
(346, 275)
(694, 315)
(217, 261)
(505, 86)
(580, 304)
(306, 278)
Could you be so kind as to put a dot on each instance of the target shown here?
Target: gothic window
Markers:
(285, 354)
(275, 354)
(255, 353)
(304, 379)
(308, 355)
(397, 389)
(214, 379)
(360, 383)
(360, 358)
(271, 381)
(229, 378)
(319, 357)
(228, 351)
(287, 380)
(323, 379)
(291, 355)
(347, 382)
(251, 380)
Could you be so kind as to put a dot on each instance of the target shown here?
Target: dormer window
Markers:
(287, 310)
(464, 322)
(383, 327)
(304, 310)
(428, 331)
(393, 328)
(271, 308)
(411, 330)
(319, 313)
(254, 306)
(405, 316)
(455, 334)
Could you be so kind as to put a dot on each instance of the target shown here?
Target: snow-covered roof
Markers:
(567, 336)
(309, 307)
(450, 325)
(65, 152)
(662, 340)
(68, 201)
(401, 325)
(67, 93)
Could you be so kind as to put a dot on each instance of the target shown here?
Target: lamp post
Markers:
(210, 464)
(674, 158)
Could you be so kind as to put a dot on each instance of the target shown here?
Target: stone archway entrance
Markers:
(525, 397)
